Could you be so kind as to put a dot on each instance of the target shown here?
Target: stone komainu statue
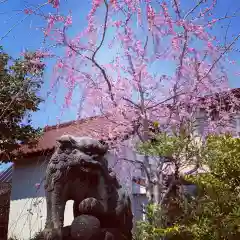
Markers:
(78, 171)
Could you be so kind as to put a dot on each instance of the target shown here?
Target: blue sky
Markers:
(4, 166)
(26, 35)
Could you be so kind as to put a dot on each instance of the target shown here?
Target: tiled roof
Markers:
(97, 127)
(6, 176)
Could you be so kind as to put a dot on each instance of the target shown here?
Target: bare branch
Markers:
(193, 9)
(221, 55)
(177, 9)
(226, 33)
(143, 166)
(104, 32)
(131, 102)
(166, 193)
(97, 49)
(92, 59)
(194, 170)
(165, 101)
(22, 20)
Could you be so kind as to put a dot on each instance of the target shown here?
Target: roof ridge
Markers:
(66, 124)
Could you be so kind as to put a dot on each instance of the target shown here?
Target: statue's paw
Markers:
(91, 206)
(48, 234)
(113, 234)
(52, 234)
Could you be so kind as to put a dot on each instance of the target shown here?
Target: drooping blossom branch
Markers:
(164, 66)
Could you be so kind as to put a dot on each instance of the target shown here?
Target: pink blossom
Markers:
(97, 2)
(37, 186)
(232, 62)
(176, 41)
(68, 20)
(180, 22)
(165, 9)
(51, 21)
(42, 54)
(28, 11)
(68, 98)
(55, 3)
(37, 63)
(114, 4)
(132, 70)
(210, 45)
(139, 48)
(150, 13)
(214, 21)
(191, 50)
(200, 32)
(60, 65)
(95, 5)
(118, 24)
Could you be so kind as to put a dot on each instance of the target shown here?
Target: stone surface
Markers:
(91, 206)
(78, 171)
(85, 227)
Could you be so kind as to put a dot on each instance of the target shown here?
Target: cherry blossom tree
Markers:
(133, 90)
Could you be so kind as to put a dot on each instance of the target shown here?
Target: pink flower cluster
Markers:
(37, 186)
(55, 3)
(158, 58)
(28, 11)
(68, 20)
(95, 5)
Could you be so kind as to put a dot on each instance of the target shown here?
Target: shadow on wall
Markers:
(28, 179)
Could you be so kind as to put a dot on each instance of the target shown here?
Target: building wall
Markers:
(28, 204)
(201, 123)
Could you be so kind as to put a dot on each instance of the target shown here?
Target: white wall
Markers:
(27, 207)
(28, 204)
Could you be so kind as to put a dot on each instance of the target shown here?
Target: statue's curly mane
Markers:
(57, 167)
(61, 163)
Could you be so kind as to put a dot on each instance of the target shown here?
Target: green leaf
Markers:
(19, 96)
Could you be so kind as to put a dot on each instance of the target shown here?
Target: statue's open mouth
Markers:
(88, 170)
(90, 167)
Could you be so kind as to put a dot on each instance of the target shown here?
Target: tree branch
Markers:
(167, 192)
(92, 59)
(22, 20)
(221, 55)
(143, 165)
(164, 101)
(131, 102)
(97, 49)
(193, 9)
